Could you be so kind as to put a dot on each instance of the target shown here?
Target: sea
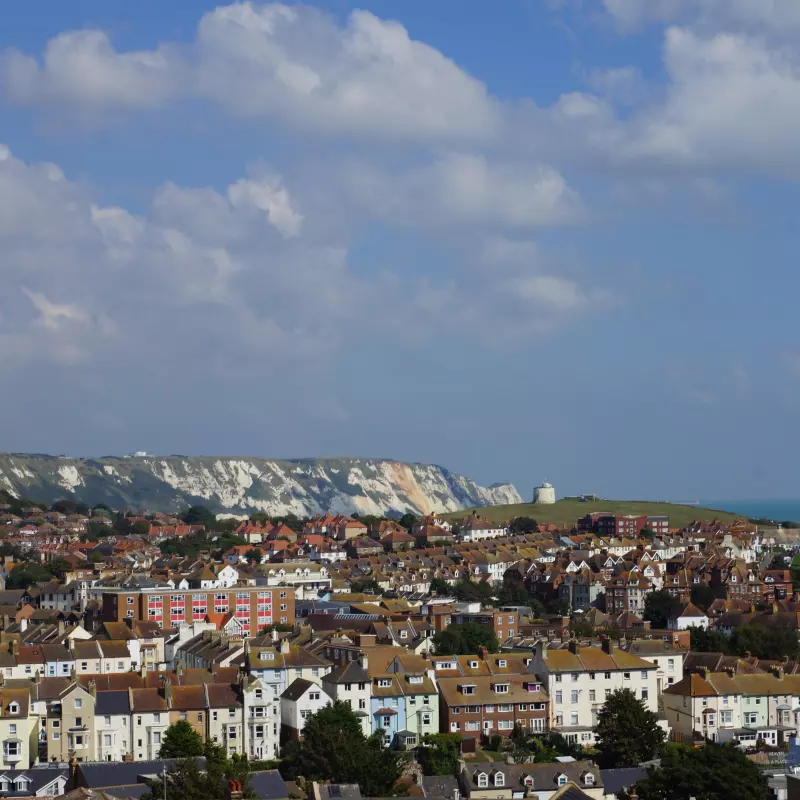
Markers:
(778, 510)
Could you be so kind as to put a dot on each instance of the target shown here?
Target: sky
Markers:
(536, 239)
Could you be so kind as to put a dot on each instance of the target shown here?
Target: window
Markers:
(466, 689)
(671, 664)
(592, 697)
(607, 676)
(750, 718)
(156, 738)
(558, 679)
(644, 694)
(107, 720)
(558, 697)
(575, 676)
(313, 696)
(626, 676)
(505, 708)
(502, 663)
(562, 779)
(385, 683)
(130, 601)
(78, 703)
(12, 729)
(499, 779)
(573, 697)
(386, 721)
(107, 740)
(483, 779)
(644, 674)
(573, 718)
(79, 722)
(501, 688)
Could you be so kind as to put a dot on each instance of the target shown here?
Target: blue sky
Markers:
(550, 238)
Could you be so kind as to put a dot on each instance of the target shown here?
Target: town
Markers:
(484, 659)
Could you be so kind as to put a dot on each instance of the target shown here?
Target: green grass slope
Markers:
(564, 513)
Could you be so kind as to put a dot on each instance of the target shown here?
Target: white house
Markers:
(690, 617)
(300, 700)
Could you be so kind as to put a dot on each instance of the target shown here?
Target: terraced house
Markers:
(726, 706)
(579, 679)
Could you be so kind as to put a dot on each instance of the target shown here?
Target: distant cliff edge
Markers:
(241, 486)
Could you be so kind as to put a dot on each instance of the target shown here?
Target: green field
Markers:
(565, 512)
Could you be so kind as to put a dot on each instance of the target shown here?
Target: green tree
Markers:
(465, 639)
(253, 556)
(408, 521)
(523, 525)
(769, 642)
(513, 592)
(181, 740)
(659, 607)
(334, 748)
(627, 731)
(199, 515)
(706, 641)
(366, 587)
(25, 575)
(440, 586)
(713, 772)
(439, 753)
(187, 781)
(558, 606)
(703, 595)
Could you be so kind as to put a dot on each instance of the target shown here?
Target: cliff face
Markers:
(241, 486)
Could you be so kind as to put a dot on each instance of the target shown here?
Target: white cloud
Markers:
(461, 189)
(733, 101)
(294, 64)
(81, 71)
(269, 196)
(52, 315)
(558, 293)
(776, 16)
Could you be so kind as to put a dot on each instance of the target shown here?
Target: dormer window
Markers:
(561, 779)
(499, 779)
(528, 781)
(588, 779)
(501, 688)
(502, 663)
(483, 779)
(534, 687)
(468, 688)
(384, 683)
(415, 678)
(266, 656)
(473, 665)
(13, 708)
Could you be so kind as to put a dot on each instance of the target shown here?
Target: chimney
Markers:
(364, 661)
(23, 624)
(61, 627)
(179, 669)
(14, 649)
(606, 645)
(235, 790)
(274, 634)
(573, 647)
(168, 693)
(703, 672)
(284, 646)
(92, 688)
(730, 671)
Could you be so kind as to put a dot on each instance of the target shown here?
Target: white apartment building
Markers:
(580, 679)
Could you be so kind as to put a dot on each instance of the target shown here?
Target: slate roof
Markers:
(439, 786)
(614, 780)
(109, 703)
(39, 778)
(269, 785)
(297, 689)
(110, 775)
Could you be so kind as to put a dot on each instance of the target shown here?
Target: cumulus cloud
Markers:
(460, 189)
(776, 16)
(294, 64)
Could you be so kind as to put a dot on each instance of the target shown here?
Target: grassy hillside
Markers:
(566, 512)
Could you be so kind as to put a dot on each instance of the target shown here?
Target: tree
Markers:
(768, 642)
(706, 641)
(187, 781)
(513, 592)
(334, 748)
(465, 639)
(181, 740)
(65, 506)
(659, 607)
(647, 533)
(440, 586)
(253, 556)
(713, 772)
(366, 587)
(703, 595)
(199, 515)
(408, 521)
(558, 606)
(523, 525)
(439, 753)
(627, 731)
(25, 575)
